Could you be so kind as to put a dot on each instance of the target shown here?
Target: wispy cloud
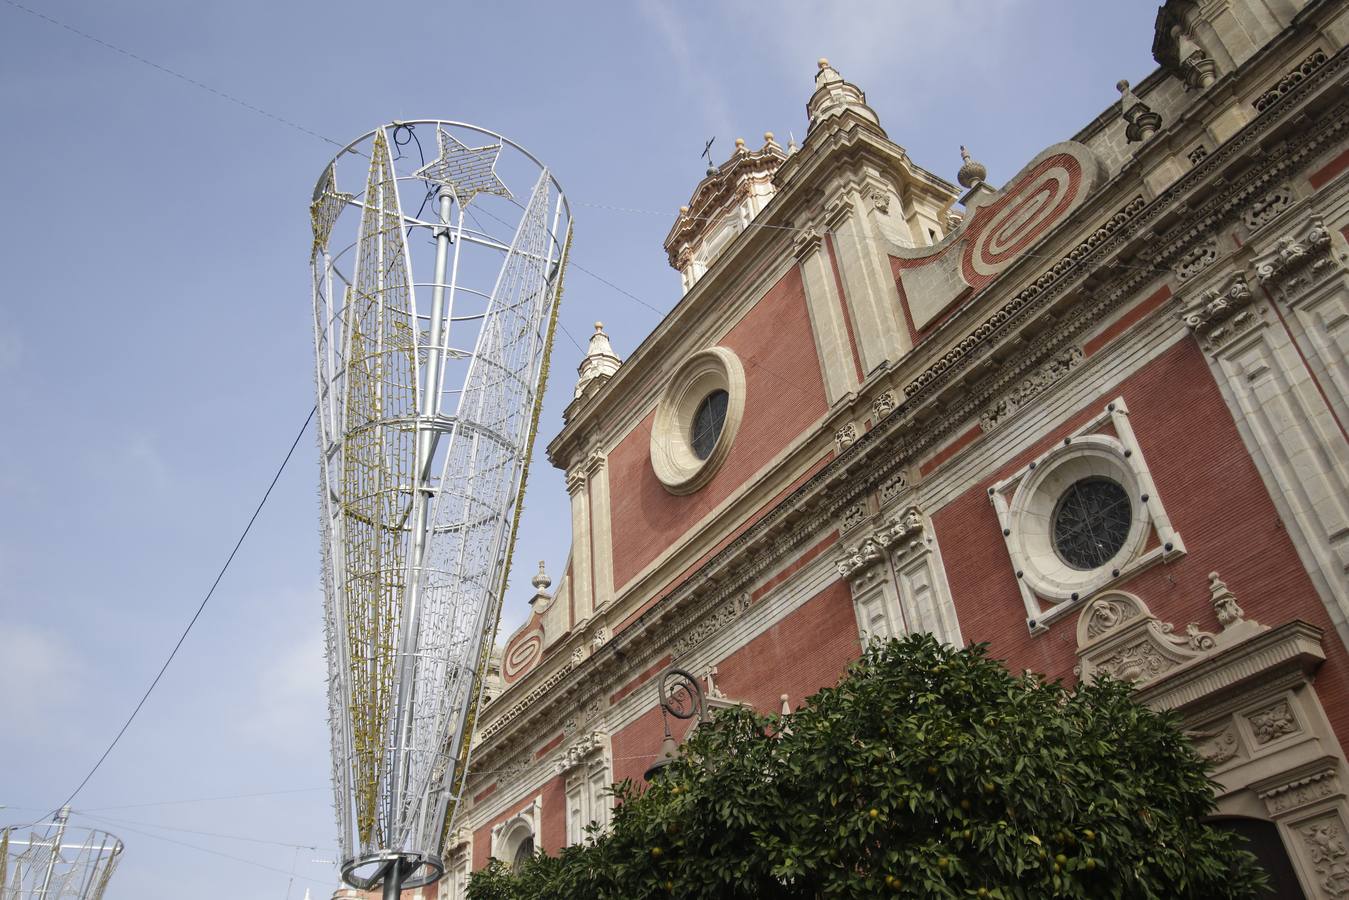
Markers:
(288, 689)
(872, 42)
(41, 674)
(696, 77)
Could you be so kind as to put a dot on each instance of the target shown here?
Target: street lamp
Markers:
(681, 696)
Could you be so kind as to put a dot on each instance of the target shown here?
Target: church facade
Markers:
(1095, 416)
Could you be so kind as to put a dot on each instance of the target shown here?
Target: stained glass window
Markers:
(708, 422)
(1091, 522)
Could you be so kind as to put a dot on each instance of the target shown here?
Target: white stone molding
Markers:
(1050, 372)
(897, 580)
(827, 322)
(458, 866)
(1117, 635)
(582, 589)
(508, 836)
(868, 283)
(601, 531)
(1280, 409)
(672, 458)
(1025, 505)
(587, 766)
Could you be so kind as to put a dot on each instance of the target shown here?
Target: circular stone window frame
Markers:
(677, 467)
(1031, 515)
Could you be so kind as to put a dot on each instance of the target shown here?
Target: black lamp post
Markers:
(681, 696)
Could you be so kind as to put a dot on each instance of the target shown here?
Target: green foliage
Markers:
(927, 772)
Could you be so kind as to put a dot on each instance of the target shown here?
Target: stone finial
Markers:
(1142, 123)
(833, 97)
(786, 705)
(971, 171)
(600, 361)
(541, 583)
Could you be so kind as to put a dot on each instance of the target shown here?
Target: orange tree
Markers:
(927, 772)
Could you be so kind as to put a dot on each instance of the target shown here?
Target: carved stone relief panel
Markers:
(1323, 841)
(1267, 206)
(1197, 259)
(1118, 636)
(1051, 371)
(1302, 791)
(1272, 721)
(1219, 743)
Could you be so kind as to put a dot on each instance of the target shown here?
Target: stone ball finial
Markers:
(971, 171)
(599, 326)
(768, 137)
(541, 581)
(824, 62)
(739, 144)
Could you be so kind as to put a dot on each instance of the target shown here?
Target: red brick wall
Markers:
(784, 395)
(1216, 500)
(803, 652)
(553, 830)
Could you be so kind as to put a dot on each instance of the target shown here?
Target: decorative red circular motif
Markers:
(521, 655)
(1005, 228)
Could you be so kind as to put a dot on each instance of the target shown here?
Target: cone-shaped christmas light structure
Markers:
(438, 257)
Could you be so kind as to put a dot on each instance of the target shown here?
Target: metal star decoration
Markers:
(467, 171)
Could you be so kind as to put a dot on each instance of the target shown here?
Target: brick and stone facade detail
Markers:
(1201, 296)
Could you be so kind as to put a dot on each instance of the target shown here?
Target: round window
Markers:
(708, 422)
(1091, 522)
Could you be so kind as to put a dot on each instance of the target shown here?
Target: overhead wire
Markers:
(119, 822)
(220, 853)
(205, 799)
(200, 607)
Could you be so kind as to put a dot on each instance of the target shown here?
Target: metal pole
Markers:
(61, 818)
(393, 880)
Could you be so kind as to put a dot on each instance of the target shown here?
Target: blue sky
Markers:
(155, 331)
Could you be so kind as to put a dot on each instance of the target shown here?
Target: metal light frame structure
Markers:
(58, 862)
(428, 395)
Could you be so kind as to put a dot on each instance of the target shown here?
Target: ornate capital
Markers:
(1217, 315)
(889, 534)
(807, 242)
(594, 462)
(1298, 260)
(585, 750)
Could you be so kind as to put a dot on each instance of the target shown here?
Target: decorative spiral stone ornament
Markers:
(523, 654)
(1018, 218)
